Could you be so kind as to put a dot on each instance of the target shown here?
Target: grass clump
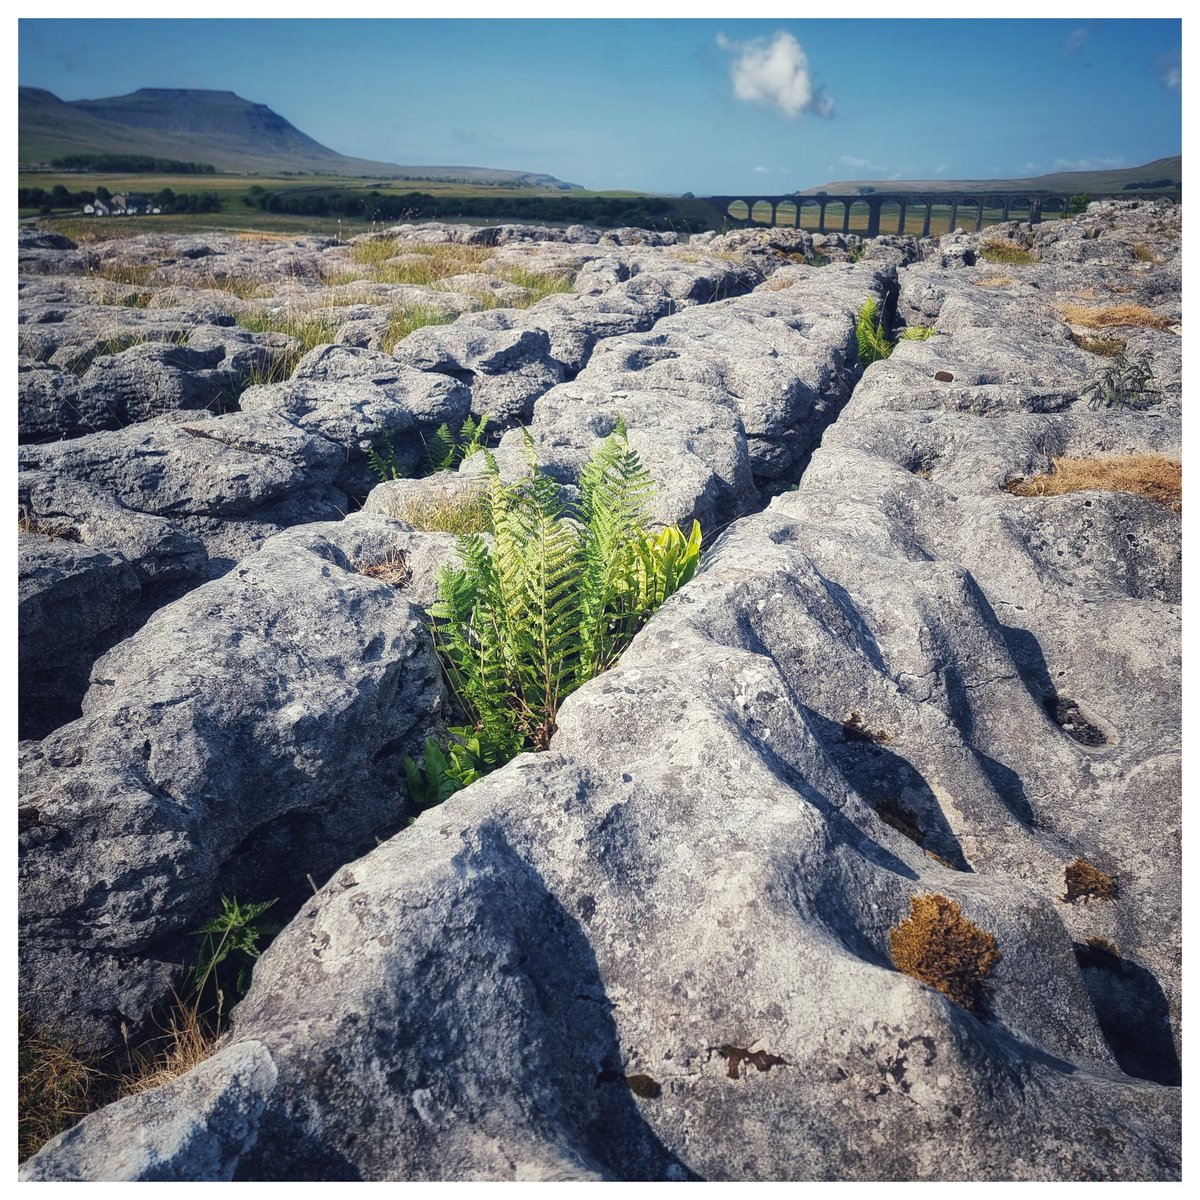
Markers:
(127, 274)
(373, 251)
(1112, 316)
(995, 281)
(236, 285)
(309, 331)
(1143, 253)
(57, 1085)
(1086, 882)
(539, 284)
(551, 603)
(1152, 475)
(404, 321)
(1107, 347)
(1004, 250)
(939, 946)
(430, 264)
(462, 512)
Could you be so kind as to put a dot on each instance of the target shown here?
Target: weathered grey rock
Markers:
(72, 605)
(354, 398)
(183, 465)
(246, 736)
(663, 949)
(159, 551)
(214, 1120)
(676, 923)
(506, 370)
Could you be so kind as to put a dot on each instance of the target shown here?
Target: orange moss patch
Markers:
(1112, 316)
(1086, 882)
(1151, 475)
(939, 946)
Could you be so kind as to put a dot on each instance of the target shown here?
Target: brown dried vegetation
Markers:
(939, 946)
(1151, 475)
(1086, 882)
(1109, 347)
(1112, 316)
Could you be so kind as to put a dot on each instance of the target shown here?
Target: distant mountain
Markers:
(221, 128)
(1164, 173)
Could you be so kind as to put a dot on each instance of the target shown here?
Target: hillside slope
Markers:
(213, 127)
(1110, 180)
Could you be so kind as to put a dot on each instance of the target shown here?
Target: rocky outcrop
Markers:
(672, 946)
(247, 736)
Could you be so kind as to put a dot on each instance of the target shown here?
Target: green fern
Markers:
(918, 333)
(873, 342)
(382, 459)
(551, 603)
(445, 450)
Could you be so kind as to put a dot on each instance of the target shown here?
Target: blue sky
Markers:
(709, 106)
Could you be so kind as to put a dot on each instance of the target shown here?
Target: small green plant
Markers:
(873, 342)
(445, 451)
(817, 259)
(918, 333)
(233, 933)
(551, 603)
(1126, 383)
(382, 459)
(856, 252)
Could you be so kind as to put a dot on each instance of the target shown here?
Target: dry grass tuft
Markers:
(308, 330)
(1151, 475)
(995, 281)
(187, 1042)
(57, 1085)
(1109, 347)
(236, 285)
(129, 274)
(446, 511)
(1112, 316)
(939, 946)
(1143, 253)
(393, 570)
(1005, 250)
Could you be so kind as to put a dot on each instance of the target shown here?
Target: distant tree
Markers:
(865, 191)
(1078, 203)
(688, 196)
(102, 193)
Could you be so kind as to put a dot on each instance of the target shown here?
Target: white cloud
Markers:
(1075, 40)
(775, 74)
(860, 164)
(762, 170)
(941, 168)
(1087, 164)
(1169, 70)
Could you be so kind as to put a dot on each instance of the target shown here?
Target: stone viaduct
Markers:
(1023, 205)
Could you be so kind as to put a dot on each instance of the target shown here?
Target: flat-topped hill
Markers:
(220, 128)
